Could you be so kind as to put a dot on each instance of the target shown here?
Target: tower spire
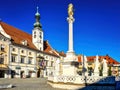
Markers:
(37, 33)
(37, 9)
(37, 17)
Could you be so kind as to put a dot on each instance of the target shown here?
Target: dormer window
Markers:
(24, 42)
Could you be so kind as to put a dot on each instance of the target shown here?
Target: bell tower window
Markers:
(34, 36)
(40, 36)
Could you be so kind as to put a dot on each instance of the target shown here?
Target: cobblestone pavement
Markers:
(28, 84)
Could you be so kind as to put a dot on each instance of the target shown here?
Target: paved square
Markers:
(28, 84)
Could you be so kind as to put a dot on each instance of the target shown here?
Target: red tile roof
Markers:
(18, 35)
(49, 49)
(80, 58)
(62, 54)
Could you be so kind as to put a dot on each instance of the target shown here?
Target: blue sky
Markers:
(96, 26)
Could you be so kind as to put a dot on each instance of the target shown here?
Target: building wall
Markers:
(4, 60)
(23, 62)
(50, 64)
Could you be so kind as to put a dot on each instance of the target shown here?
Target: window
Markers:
(51, 63)
(13, 58)
(46, 57)
(2, 47)
(30, 61)
(51, 58)
(13, 49)
(45, 63)
(34, 32)
(24, 42)
(40, 36)
(40, 48)
(30, 53)
(4, 39)
(40, 33)
(34, 36)
(22, 59)
(22, 51)
(1, 59)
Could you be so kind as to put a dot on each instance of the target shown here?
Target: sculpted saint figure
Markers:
(70, 10)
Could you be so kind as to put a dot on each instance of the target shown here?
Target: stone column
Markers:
(69, 68)
(70, 45)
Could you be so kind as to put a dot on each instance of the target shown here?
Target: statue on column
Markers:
(70, 10)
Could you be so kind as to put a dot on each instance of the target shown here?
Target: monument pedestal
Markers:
(69, 68)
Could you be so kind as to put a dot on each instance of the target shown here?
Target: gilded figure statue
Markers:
(70, 10)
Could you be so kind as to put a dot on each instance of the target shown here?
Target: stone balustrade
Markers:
(83, 79)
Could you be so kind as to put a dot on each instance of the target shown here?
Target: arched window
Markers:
(34, 34)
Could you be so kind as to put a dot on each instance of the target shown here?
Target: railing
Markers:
(83, 80)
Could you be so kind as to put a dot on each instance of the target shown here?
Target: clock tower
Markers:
(37, 33)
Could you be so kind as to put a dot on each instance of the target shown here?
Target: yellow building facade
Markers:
(4, 55)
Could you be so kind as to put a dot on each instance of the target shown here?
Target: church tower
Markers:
(37, 33)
